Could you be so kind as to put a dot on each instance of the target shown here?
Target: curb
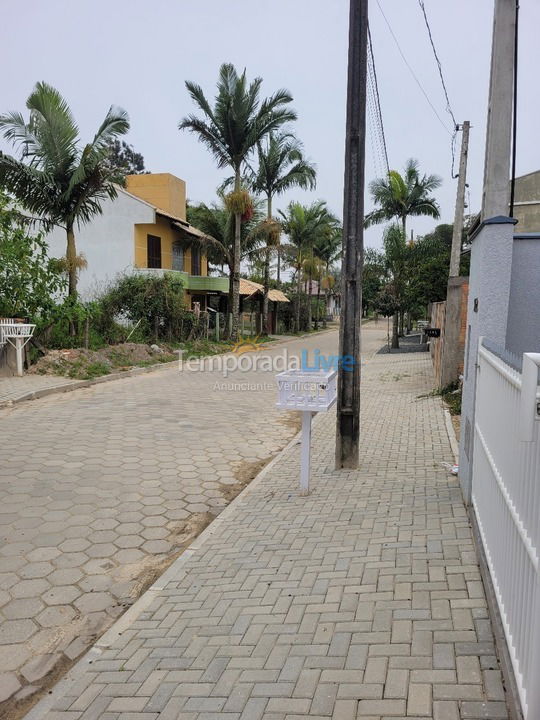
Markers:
(451, 434)
(41, 708)
(81, 384)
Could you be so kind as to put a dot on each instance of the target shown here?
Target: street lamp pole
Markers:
(348, 399)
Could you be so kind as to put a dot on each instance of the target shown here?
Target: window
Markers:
(177, 256)
(154, 251)
(195, 260)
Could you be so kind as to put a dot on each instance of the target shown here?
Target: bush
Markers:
(155, 304)
(29, 279)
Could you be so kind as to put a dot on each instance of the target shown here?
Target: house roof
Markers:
(249, 288)
(178, 222)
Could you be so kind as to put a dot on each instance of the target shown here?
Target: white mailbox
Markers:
(309, 391)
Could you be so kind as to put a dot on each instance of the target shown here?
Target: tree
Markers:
(122, 160)
(56, 179)
(396, 254)
(304, 226)
(231, 130)
(399, 196)
(328, 248)
(373, 277)
(281, 166)
(429, 263)
(29, 279)
(217, 223)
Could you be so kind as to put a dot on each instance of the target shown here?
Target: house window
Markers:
(177, 256)
(154, 251)
(195, 260)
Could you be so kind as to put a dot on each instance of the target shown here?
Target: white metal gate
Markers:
(506, 499)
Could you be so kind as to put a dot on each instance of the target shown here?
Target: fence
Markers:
(447, 351)
(506, 501)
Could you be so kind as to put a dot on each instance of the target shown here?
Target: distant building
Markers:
(143, 228)
(527, 203)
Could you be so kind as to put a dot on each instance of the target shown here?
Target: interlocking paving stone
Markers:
(335, 605)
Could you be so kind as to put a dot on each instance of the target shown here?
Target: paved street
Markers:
(362, 600)
(101, 487)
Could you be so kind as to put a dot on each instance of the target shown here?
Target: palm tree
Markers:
(328, 249)
(396, 252)
(56, 179)
(399, 196)
(281, 166)
(304, 226)
(231, 130)
(217, 223)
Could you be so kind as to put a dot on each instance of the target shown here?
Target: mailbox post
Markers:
(17, 335)
(310, 392)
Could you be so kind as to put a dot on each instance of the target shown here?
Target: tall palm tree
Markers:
(399, 196)
(217, 222)
(55, 178)
(396, 252)
(328, 249)
(231, 130)
(304, 225)
(281, 166)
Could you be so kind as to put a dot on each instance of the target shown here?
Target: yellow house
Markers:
(170, 242)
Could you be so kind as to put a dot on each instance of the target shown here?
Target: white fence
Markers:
(506, 500)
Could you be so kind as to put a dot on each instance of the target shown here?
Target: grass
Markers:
(451, 396)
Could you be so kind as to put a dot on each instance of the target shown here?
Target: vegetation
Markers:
(231, 130)
(400, 196)
(122, 160)
(281, 166)
(29, 279)
(306, 227)
(55, 178)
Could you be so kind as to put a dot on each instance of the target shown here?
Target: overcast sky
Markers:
(137, 54)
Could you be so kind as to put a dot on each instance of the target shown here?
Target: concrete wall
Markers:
(487, 315)
(107, 242)
(523, 328)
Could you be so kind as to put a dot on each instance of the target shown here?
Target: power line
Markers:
(439, 65)
(412, 71)
(373, 72)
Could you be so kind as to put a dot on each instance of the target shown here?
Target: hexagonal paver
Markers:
(40, 554)
(9, 684)
(16, 631)
(129, 541)
(40, 666)
(101, 550)
(61, 595)
(22, 608)
(74, 545)
(156, 547)
(35, 570)
(126, 557)
(13, 656)
(94, 602)
(56, 615)
(65, 576)
(29, 588)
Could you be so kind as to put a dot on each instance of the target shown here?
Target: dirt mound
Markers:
(84, 364)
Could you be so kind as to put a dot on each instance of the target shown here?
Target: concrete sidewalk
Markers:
(363, 600)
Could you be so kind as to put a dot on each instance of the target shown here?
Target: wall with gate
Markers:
(506, 502)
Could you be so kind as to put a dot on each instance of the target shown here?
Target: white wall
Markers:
(107, 241)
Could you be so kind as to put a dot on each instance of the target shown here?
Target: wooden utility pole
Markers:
(348, 392)
(460, 202)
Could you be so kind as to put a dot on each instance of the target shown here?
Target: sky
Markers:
(137, 54)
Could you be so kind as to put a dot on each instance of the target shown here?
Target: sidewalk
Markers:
(363, 600)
